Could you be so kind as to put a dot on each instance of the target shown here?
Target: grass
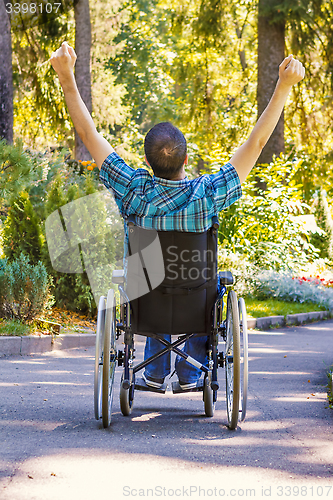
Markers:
(13, 327)
(273, 307)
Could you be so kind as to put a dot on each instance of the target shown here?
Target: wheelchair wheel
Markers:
(232, 360)
(126, 399)
(99, 358)
(208, 396)
(109, 359)
(243, 356)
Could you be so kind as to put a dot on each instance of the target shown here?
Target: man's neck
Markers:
(180, 176)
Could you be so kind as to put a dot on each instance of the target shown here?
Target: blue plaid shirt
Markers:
(164, 205)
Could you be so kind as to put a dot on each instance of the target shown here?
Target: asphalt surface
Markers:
(52, 448)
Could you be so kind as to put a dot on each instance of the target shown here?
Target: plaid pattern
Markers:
(164, 205)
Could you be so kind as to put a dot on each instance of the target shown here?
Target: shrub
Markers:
(24, 289)
(242, 269)
(73, 291)
(284, 287)
(22, 231)
(16, 170)
(323, 240)
(262, 224)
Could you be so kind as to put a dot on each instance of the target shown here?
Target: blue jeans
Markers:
(160, 368)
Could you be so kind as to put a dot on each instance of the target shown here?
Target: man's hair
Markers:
(165, 150)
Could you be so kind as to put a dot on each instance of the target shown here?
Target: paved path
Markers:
(51, 448)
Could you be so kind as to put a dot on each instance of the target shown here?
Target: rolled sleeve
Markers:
(227, 186)
(116, 174)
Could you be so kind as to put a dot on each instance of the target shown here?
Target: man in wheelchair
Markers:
(184, 213)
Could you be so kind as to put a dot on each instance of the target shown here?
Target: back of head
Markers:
(165, 150)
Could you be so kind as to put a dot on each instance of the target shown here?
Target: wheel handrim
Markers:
(232, 360)
(244, 356)
(99, 358)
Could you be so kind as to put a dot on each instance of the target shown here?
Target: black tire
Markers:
(244, 365)
(208, 397)
(109, 359)
(232, 360)
(99, 346)
(126, 399)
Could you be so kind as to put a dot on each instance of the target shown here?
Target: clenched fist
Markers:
(291, 71)
(63, 61)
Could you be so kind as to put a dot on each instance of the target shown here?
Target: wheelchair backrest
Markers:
(183, 302)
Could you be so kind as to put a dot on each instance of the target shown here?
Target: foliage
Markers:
(73, 291)
(40, 114)
(284, 287)
(241, 268)
(323, 240)
(176, 66)
(22, 233)
(262, 224)
(16, 170)
(24, 289)
(13, 327)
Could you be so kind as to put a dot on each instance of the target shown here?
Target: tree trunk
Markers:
(271, 52)
(6, 76)
(82, 66)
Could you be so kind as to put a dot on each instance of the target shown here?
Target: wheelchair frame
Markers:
(232, 329)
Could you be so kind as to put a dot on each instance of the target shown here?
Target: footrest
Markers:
(141, 385)
(176, 389)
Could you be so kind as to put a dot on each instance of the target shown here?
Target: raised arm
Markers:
(63, 61)
(291, 72)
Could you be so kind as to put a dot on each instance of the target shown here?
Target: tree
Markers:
(40, 115)
(271, 52)
(17, 169)
(82, 65)
(185, 62)
(22, 232)
(6, 77)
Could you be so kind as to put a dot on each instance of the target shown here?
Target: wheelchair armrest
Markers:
(226, 278)
(118, 276)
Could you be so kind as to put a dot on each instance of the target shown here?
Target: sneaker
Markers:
(157, 383)
(185, 386)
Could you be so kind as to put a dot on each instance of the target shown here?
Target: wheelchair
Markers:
(184, 305)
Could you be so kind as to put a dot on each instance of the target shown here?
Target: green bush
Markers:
(17, 168)
(22, 231)
(262, 224)
(24, 289)
(323, 240)
(241, 268)
(73, 291)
